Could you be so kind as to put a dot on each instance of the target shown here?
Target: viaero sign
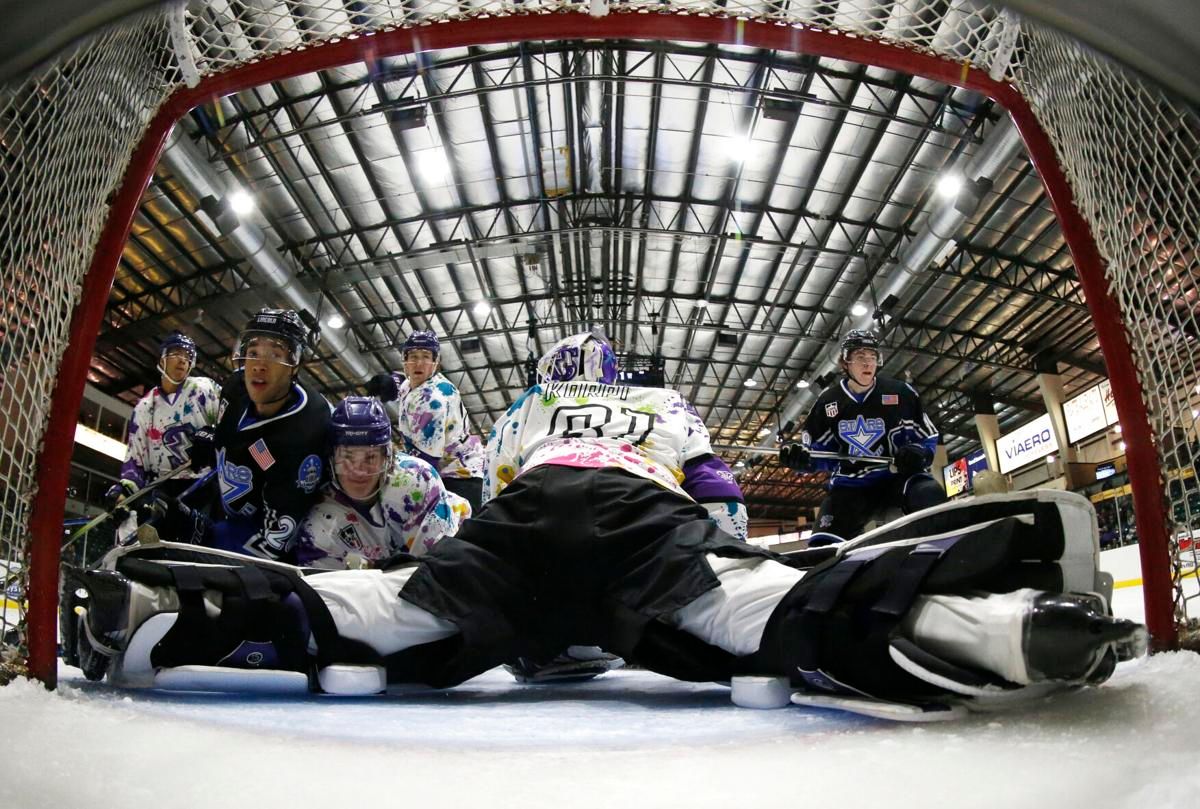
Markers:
(1026, 444)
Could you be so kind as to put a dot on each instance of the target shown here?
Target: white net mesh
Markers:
(68, 132)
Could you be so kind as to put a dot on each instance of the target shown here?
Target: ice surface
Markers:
(628, 739)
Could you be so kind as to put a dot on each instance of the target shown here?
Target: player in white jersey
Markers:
(165, 419)
(593, 536)
(375, 507)
(433, 423)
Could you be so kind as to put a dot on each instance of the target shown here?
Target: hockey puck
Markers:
(761, 692)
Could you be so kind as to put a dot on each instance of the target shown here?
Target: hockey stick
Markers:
(817, 454)
(99, 518)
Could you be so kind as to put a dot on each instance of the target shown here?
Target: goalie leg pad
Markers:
(833, 631)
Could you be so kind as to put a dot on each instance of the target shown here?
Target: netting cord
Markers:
(46, 521)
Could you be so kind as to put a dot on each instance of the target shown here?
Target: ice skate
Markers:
(576, 664)
(93, 617)
(1072, 638)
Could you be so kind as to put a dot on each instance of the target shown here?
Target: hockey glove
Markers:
(795, 456)
(383, 387)
(120, 490)
(911, 459)
(202, 454)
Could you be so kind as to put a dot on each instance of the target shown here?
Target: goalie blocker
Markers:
(981, 603)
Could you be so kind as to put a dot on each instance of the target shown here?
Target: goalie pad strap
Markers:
(832, 631)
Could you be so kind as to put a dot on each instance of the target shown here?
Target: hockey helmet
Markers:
(175, 341)
(861, 338)
(585, 356)
(357, 425)
(282, 325)
(421, 340)
(360, 421)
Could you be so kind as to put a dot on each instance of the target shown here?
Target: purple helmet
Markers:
(178, 340)
(425, 340)
(581, 356)
(360, 421)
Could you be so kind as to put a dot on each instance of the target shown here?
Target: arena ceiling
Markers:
(722, 211)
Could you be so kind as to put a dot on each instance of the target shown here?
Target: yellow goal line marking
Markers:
(1189, 574)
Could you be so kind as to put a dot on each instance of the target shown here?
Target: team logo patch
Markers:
(831, 410)
(310, 474)
(262, 455)
(861, 434)
(891, 399)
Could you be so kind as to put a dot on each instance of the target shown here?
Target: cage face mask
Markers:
(579, 357)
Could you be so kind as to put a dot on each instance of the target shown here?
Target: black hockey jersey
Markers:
(877, 422)
(270, 470)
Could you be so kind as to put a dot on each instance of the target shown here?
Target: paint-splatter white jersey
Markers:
(160, 431)
(412, 512)
(434, 427)
(649, 432)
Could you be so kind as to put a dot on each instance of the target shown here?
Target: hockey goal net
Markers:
(80, 135)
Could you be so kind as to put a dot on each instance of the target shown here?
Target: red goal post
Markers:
(80, 140)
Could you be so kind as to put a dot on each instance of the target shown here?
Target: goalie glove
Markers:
(383, 387)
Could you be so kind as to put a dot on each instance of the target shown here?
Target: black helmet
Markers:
(861, 338)
(283, 325)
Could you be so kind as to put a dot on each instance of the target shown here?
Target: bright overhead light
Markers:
(1121, 445)
(750, 383)
(948, 185)
(240, 202)
(482, 309)
(802, 384)
(99, 442)
(335, 321)
(740, 465)
(1049, 459)
(1117, 429)
(764, 432)
(859, 309)
(739, 148)
(432, 165)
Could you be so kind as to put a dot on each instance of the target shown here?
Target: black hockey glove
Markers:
(383, 387)
(202, 454)
(795, 456)
(911, 459)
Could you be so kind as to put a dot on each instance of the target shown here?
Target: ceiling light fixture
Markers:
(948, 185)
(240, 202)
(335, 321)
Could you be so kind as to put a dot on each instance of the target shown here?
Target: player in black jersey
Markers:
(270, 443)
(867, 415)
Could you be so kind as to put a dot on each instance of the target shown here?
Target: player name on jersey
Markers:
(578, 390)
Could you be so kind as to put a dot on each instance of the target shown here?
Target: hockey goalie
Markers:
(593, 533)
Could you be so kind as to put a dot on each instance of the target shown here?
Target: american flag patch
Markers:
(261, 455)
(891, 398)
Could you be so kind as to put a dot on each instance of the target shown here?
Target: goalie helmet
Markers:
(358, 424)
(281, 325)
(421, 340)
(861, 338)
(585, 356)
(177, 340)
